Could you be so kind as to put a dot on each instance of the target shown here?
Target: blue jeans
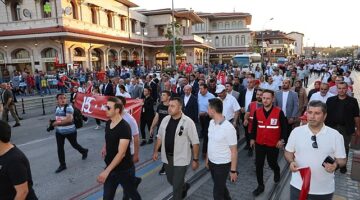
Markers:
(126, 179)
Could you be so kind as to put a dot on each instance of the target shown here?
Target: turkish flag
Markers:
(95, 106)
(306, 177)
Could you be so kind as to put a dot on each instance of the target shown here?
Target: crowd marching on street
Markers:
(191, 103)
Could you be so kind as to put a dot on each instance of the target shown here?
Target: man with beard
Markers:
(249, 115)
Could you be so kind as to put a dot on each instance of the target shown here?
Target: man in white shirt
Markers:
(271, 85)
(231, 108)
(309, 146)
(222, 150)
(323, 94)
(278, 79)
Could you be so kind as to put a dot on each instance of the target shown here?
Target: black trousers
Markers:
(219, 174)
(246, 131)
(204, 123)
(60, 140)
(126, 179)
(271, 153)
(347, 138)
(143, 123)
(295, 194)
(306, 81)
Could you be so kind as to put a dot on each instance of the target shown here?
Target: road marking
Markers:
(48, 138)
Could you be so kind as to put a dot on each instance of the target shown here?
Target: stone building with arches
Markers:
(91, 34)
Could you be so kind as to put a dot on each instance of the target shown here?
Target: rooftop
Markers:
(180, 12)
(226, 15)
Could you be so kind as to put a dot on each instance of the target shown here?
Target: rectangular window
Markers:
(123, 25)
(133, 26)
(161, 31)
(242, 40)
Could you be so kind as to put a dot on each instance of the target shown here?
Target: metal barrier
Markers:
(38, 103)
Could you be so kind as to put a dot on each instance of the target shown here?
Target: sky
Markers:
(323, 22)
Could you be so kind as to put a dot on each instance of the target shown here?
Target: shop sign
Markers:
(22, 60)
(48, 59)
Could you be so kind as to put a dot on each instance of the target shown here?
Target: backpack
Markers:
(77, 117)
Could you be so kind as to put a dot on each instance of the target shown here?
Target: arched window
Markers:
(217, 43)
(227, 25)
(74, 10)
(46, 8)
(20, 54)
(233, 25)
(229, 40)
(240, 24)
(1, 56)
(79, 52)
(93, 15)
(224, 41)
(135, 55)
(49, 53)
(220, 26)
(15, 11)
(243, 40)
(124, 55)
(237, 40)
(109, 19)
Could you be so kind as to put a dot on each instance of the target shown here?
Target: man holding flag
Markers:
(314, 152)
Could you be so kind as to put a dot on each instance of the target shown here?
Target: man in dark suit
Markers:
(246, 97)
(343, 115)
(194, 84)
(190, 104)
(108, 89)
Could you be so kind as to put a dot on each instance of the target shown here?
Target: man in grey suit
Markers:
(229, 90)
(137, 91)
(288, 101)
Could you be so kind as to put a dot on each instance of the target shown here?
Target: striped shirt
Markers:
(60, 115)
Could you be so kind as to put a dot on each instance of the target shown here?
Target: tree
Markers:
(178, 41)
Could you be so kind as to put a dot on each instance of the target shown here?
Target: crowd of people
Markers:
(182, 106)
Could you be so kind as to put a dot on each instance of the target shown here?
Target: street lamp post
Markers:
(208, 40)
(142, 33)
(262, 40)
(174, 38)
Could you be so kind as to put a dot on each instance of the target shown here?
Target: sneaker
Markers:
(150, 141)
(185, 190)
(85, 154)
(343, 170)
(162, 171)
(143, 143)
(16, 125)
(87, 121)
(20, 118)
(60, 169)
(97, 127)
(260, 189)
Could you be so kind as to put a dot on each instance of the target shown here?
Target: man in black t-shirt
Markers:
(15, 174)
(120, 168)
(161, 112)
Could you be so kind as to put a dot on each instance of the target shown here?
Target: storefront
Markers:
(112, 58)
(48, 57)
(96, 61)
(21, 61)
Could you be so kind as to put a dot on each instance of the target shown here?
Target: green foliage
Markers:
(178, 41)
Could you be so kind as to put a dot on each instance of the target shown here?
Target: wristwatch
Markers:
(196, 160)
(234, 171)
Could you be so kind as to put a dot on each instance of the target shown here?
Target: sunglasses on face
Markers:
(108, 107)
(314, 144)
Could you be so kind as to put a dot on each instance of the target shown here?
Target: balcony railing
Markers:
(28, 24)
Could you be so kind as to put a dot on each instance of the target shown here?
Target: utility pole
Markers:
(174, 38)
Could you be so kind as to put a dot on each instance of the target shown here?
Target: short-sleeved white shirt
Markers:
(221, 137)
(230, 106)
(330, 143)
(134, 129)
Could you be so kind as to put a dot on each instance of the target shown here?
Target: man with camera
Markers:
(65, 129)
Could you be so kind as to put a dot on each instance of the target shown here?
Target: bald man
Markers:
(190, 104)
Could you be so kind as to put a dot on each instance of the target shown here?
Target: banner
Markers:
(95, 106)
(306, 177)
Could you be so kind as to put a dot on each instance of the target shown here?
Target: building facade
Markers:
(91, 34)
(227, 32)
(299, 43)
(274, 44)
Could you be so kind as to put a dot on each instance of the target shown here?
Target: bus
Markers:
(245, 61)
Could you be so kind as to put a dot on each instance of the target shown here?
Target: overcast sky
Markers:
(323, 22)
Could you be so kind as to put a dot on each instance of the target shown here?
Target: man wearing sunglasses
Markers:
(312, 145)
(176, 132)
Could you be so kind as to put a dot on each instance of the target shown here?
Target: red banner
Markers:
(306, 177)
(95, 106)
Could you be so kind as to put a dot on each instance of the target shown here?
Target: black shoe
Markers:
(20, 118)
(150, 141)
(343, 170)
(185, 190)
(143, 143)
(247, 147)
(277, 178)
(260, 189)
(137, 181)
(60, 169)
(16, 125)
(250, 152)
(85, 154)
(162, 171)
